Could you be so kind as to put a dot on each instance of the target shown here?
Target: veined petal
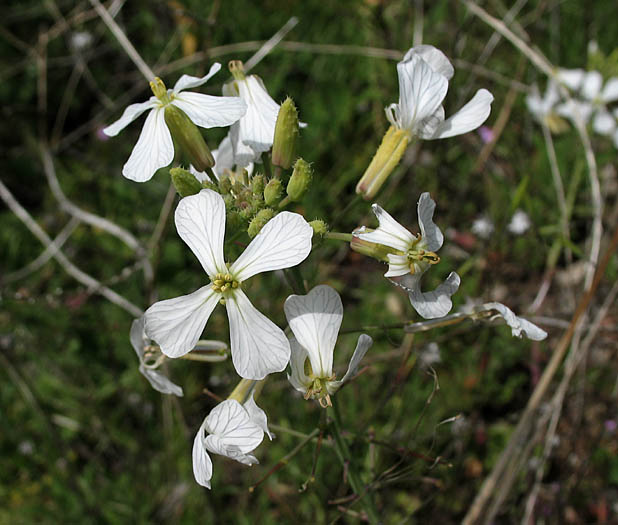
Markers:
(200, 221)
(138, 337)
(603, 122)
(519, 326)
(129, 115)
(364, 343)
(610, 91)
(429, 231)
(470, 117)
(315, 320)
(257, 127)
(389, 232)
(257, 415)
(202, 465)
(209, 111)
(153, 150)
(298, 379)
(224, 156)
(231, 423)
(160, 382)
(434, 57)
(187, 81)
(259, 347)
(571, 78)
(591, 86)
(176, 324)
(421, 91)
(428, 127)
(397, 265)
(432, 305)
(284, 242)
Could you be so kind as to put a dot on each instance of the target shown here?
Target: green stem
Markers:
(337, 236)
(295, 280)
(284, 202)
(343, 453)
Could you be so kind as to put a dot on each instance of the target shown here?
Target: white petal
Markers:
(364, 343)
(591, 87)
(519, 326)
(138, 337)
(199, 175)
(470, 117)
(573, 109)
(231, 423)
(257, 127)
(610, 91)
(315, 320)
(432, 305)
(428, 127)
(429, 231)
(257, 415)
(224, 156)
(434, 57)
(259, 347)
(176, 324)
(160, 382)
(202, 465)
(283, 242)
(129, 115)
(616, 138)
(243, 154)
(200, 221)
(603, 122)
(397, 265)
(209, 111)
(187, 81)
(298, 379)
(389, 232)
(153, 150)
(421, 91)
(571, 78)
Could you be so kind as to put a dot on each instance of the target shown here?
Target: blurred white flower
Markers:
(155, 148)
(483, 227)
(424, 74)
(258, 346)
(429, 355)
(157, 380)
(229, 430)
(519, 326)
(315, 320)
(411, 257)
(519, 224)
(80, 40)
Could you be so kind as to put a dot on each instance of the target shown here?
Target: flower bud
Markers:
(189, 138)
(257, 184)
(286, 135)
(259, 221)
(185, 182)
(299, 181)
(370, 249)
(272, 192)
(319, 227)
(225, 184)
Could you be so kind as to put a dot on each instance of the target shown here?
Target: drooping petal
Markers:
(231, 423)
(243, 154)
(389, 232)
(610, 91)
(421, 91)
(137, 337)
(591, 86)
(200, 221)
(202, 465)
(153, 150)
(603, 122)
(364, 343)
(519, 326)
(160, 382)
(434, 57)
(257, 127)
(209, 111)
(224, 156)
(259, 347)
(284, 242)
(217, 445)
(432, 305)
(397, 265)
(469, 117)
(571, 78)
(176, 324)
(257, 415)
(428, 127)
(429, 231)
(188, 82)
(297, 378)
(129, 115)
(315, 320)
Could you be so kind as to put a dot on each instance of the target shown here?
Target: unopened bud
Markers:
(286, 135)
(237, 69)
(299, 181)
(272, 192)
(259, 221)
(319, 227)
(257, 184)
(370, 249)
(225, 184)
(189, 138)
(185, 182)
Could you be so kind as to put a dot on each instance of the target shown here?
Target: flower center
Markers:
(224, 282)
(160, 91)
(318, 390)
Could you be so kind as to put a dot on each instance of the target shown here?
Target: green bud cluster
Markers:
(273, 192)
(300, 180)
(185, 182)
(319, 227)
(259, 221)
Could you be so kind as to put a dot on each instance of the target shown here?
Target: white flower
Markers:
(519, 224)
(154, 148)
(519, 326)
(483, 227)
(157, 380)
(424, 74)
(412, 256)
(224, 162)
(595, 97)
(229, 430)
(315, 320)
(258, 346)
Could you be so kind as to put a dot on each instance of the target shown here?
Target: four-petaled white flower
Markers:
(315, 320)
(412, 255)
(424, 74)
(157, 380)
(232, 430)
(154, 148)
(258, 346)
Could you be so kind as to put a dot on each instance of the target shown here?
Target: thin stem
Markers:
(337, 236)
